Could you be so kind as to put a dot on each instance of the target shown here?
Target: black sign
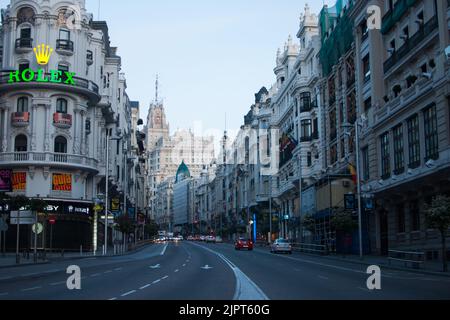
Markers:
(69, 208)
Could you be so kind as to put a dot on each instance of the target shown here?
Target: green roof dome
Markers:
(183, 172)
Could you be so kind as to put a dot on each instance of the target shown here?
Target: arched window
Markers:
(61, 106)
(22, 104)
(60, 145)
(21, 143)
(25, 15)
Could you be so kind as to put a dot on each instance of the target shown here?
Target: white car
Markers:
(219, 239)
(281, 245)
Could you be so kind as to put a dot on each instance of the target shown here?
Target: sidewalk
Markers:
(9, 260)
(430, 267)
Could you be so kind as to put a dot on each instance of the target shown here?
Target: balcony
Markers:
(81, 86)
(54, 160)
(20, 119)
(417, 39)
(62, 120)
(24, 45)
(64, 47)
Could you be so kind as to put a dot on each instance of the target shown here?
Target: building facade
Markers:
(61, 92)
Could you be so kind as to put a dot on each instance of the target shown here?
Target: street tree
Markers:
(344, 223)
(437, 216)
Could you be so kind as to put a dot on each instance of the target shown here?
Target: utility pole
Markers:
(358, 174)
(105, 247)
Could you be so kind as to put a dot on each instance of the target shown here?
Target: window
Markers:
(117, 147)
(364, 30)
(392, 44)
(415, 216)
(410, 81)
(405, 34)
(63, 68)
(414, 142)
(22, 104)
(368, 104)
(397, 89)
(431, 134)
(399, 156)
(23, 66)
(64, 34)
(61, 106)
(316, 128)
(309, 158)
(60, 145)
(401, 219)
(333, 154)
(306, 129)
(25, 33)
(385, 157)
(21, 143)
(305, 101)
(366, 164)
(366, 67)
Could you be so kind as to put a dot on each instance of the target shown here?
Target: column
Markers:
(47, 128)
(5, 130)
(83, 139)
(33, 126)
(76, 138)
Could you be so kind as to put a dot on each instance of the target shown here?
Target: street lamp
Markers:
(358, 123)
(108, 134)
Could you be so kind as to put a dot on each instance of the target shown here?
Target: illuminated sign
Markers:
(62, 182)
(19, 181)
(42, 53)
(5, 180)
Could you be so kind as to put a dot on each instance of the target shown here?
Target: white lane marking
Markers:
(364, 289)
(118, 269)
(164, 249)
(96, 275)
(53, 271)
(156, 281)
(57, 283)
(4, 294)
(30, 274)
(207, 267)
(145, 287)
(164, 278)
(112, 299)
(158, 266)
(106, 272)
(128, 293)
(323, 278)
(177, 271)
(90, 259)
(246, 289)
(184, 265)
(31, 289)
(6, 278)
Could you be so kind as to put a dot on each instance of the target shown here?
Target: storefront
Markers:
(71, 228)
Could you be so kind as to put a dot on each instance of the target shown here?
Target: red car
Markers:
(243, 244)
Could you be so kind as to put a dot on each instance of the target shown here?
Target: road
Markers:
(197, 271)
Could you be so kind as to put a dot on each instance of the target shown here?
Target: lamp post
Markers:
(358, 177)
(108, 134)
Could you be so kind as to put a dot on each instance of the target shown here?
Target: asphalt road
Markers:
(195, 271)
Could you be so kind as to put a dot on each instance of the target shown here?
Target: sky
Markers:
(211, 56)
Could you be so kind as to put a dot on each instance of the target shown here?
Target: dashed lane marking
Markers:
(184, 265)
(164, 278)
(57, 283)
(145, 287)
(164, 249)
(118, 269)
(106, 272)
(128, 293)
(176, 271)
(4, 294)
(96, 275)
(156, 281)
(112, 299)
(323, 278)
(31, 289)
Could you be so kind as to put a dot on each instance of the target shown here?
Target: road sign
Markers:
(23, 214)
(23, 221)
(52, 220)
(37, 228)
(3, 226)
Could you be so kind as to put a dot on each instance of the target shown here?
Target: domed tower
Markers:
(183, 173)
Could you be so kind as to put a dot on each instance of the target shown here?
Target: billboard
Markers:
(5, 180)
(62, 182)
(19, 182)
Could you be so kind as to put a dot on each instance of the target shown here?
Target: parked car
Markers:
(219, 239)
(243, 244)
(281, 245)
(211, 239)
(190, 238)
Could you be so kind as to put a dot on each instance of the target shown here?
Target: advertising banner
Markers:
(62, 182)
(19, 181)
(5, 180)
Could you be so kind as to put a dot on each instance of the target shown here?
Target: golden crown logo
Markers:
(43, 54)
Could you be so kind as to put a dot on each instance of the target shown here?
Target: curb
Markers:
(61, 259)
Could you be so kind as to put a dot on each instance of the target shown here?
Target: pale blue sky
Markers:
(212, 56)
